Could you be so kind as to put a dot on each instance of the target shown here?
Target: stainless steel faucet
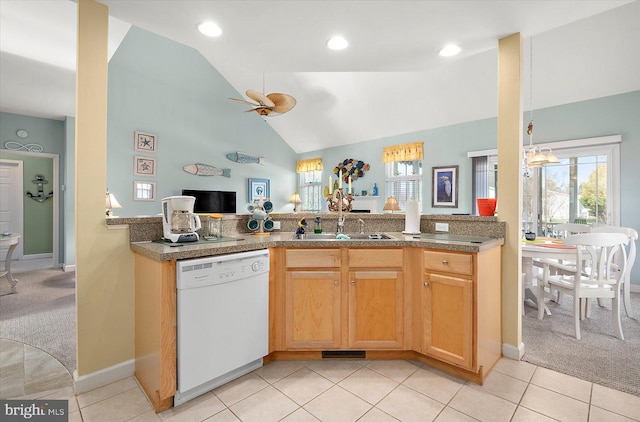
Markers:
(339, 196)
(361, 225)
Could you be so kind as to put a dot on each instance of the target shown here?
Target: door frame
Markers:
(17, 164)
(56, 199)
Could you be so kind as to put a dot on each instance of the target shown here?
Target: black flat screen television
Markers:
(208, 201)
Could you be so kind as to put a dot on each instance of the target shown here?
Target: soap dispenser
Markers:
(318, 228)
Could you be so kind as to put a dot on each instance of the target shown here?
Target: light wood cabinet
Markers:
(448, 318)
(312, 310)
(376, 309)
(155, 323)
(458, 320)
(342, 298)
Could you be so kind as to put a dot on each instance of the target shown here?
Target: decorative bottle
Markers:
(374, 191)
(318, 228)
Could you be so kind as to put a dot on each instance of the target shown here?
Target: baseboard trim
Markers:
(36, 256)
(104, 376)
(513, 352)
(69, 268)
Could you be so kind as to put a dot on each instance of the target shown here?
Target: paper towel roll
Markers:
(412, 217)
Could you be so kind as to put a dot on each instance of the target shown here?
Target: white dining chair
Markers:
(600, 263)
(632, 234)
(567, 229)
(564, 230)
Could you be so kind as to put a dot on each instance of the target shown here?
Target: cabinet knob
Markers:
(353, 282)
(336, 282)
(426, 284)
(445, 262)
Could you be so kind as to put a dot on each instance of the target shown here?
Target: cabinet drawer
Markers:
(449, 262)
(375, 258)
(313, 258)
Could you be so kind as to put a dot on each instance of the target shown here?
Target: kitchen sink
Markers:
(352, 236)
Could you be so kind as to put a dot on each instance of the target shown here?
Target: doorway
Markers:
(11, 185)
(39, 223)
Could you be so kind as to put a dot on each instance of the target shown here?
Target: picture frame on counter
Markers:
(258, 188)
(444, 193)
(144, 190)
(145, 142)
(144, 166)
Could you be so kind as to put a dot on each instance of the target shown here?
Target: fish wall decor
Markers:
(200, 169)
(242, 158)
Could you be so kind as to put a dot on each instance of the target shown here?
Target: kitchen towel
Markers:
(412, 217)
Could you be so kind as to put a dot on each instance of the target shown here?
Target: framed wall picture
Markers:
(144, 166)
(258, 188)
(445, 187)
(145, 142)
(144, 191)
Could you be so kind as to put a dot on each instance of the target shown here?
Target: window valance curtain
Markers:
(310, 164)
(402, 152)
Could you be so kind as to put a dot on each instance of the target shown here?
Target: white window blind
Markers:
(403, 180)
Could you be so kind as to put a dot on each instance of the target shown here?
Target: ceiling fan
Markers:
(268, 105)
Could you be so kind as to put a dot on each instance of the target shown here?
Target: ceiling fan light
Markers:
(337, 43)
(450, 50)
(210, 29)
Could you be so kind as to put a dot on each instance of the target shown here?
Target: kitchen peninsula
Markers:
(424, 298)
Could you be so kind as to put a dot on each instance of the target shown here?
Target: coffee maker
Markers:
(179, 223)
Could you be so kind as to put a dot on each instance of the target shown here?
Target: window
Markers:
(311, 190)
(403, 168)
(485, 179)
(403, 181)
(310, 176)
(582, 188)
(573, 191)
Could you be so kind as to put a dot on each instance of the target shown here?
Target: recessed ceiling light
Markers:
(337, 43)
(450, 50)
(210, 29)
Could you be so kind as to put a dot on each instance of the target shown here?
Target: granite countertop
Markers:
(248, 242)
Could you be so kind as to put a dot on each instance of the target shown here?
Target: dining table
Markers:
(536, 250)
(9, 241)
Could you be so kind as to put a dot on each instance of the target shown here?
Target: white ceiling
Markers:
(390, 79)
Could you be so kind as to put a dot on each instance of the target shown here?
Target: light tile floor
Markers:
(368, 391)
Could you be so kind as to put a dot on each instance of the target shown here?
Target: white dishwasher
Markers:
(222, 320)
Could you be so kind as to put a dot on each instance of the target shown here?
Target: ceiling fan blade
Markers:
(260, 98)
(283, 102)
(244, 102)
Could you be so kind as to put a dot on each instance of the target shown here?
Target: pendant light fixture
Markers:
(535, 156)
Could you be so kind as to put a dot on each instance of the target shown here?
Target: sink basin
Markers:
(352, 236)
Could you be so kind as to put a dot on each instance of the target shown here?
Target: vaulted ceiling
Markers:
(390, 80)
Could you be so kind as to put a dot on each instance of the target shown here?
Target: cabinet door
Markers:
(376, 311)
(312, 309)
(448, 319)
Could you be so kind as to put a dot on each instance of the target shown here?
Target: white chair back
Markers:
(598, 253)
(596, 274)
(567, 229)
(632, 234)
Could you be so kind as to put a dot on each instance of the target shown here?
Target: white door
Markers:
(11, 187)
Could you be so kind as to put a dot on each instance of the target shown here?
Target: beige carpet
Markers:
(42, 314)
(598, 357)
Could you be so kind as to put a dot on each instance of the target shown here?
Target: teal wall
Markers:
(165, 88)
(38, 224)
(442, 147)
(617, 114)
